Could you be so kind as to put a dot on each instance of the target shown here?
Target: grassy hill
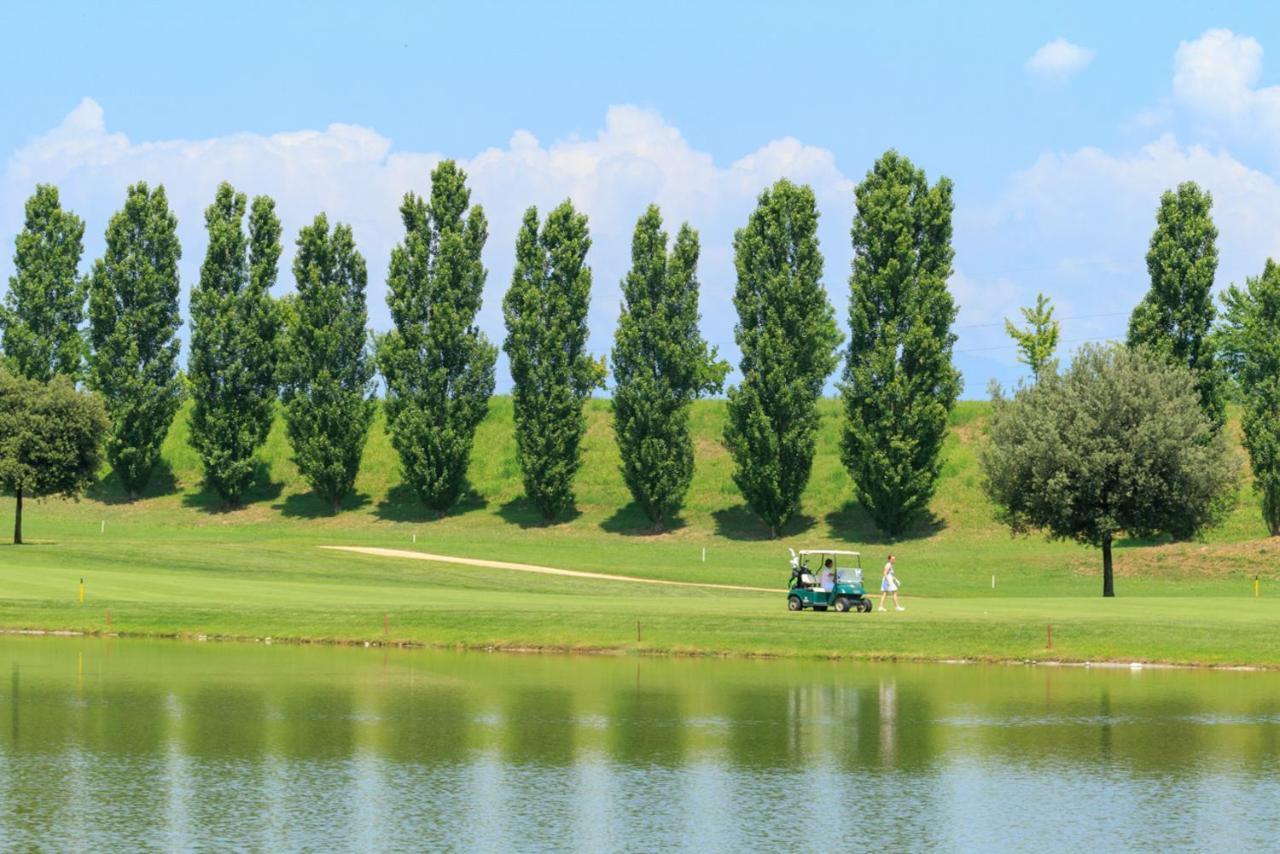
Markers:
(174, 562)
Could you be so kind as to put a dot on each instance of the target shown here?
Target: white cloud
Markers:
(1059, 59)
(1215, 78)
(356, 175)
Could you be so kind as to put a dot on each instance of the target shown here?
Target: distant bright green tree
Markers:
(234, 347)
(546, 318)
(50, 439)
(788, 337)
(1117, 443)
(1251, 349)
(1175, 318)
(44, 307)
(661, 364)
(326, 369)
(437, 363)
(899, 383)
(133, 325)
(1038, 342)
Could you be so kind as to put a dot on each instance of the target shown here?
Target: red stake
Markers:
(1048, 629)
(386, 630)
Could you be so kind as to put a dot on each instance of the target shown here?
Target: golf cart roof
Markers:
(828, 552)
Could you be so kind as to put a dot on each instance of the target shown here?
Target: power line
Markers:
(1077, 317)
(1013, 346)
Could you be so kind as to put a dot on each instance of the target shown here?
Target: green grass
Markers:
(174, 563)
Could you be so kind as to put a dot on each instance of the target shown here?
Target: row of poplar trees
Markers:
(311, 349)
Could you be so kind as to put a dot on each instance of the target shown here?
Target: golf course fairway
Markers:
(175, 564)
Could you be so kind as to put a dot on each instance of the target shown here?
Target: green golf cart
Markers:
(824, 583)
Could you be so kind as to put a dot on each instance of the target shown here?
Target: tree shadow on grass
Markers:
(521, 511)
(631, 521)
(740, 523)
(308, 505)
(852, 523)
(402, 504)
(261, 488)
(110, 489)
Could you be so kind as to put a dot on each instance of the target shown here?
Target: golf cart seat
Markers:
(807, 580)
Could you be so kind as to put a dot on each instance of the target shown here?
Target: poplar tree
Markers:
(788, 337)
(1175, 318)
(661, 364)
(899, 382)
(437, 364)
(1039, 340)
(234, 327)
(546, 318)
(326, 369)
(1251, 348)
(133, 324)
(44, 307)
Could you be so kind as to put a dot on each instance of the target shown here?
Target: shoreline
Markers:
(547, 649)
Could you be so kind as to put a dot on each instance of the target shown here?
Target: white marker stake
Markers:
(704, 554)
(415, 539)
(993, 582)
(103, 529)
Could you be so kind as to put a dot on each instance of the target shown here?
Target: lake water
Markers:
(121, 745)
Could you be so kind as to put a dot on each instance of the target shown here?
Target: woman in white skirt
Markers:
(889, 584)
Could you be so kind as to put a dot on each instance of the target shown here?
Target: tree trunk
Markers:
(335, 504)
(17, 519)
(1108, 579)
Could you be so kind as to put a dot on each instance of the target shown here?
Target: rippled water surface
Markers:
(120, 745)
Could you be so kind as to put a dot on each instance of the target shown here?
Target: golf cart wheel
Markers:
(794, 603)
(842, 604)
(867, 607)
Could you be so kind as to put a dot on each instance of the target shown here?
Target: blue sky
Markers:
(1059, 123)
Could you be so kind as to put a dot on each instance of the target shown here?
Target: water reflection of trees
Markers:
(538, 726)
(647, 727)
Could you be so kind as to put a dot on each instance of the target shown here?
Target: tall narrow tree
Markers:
(546, 317)
(437, 363)
(661, 364)
(1175, 318)
(133, 324)
(788, 337)
(44, 307)
(1039, 340)
(326, 370)
(1251, 347)
(899, 383)
(234, 326)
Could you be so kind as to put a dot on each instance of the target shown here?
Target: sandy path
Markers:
(542, 570)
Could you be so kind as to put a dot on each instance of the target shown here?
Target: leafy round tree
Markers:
(899, 383)
(234, 326)
(1116, 444)
(661, 365)
(133, 325)
(1251, 347)
(437, 364)
(50, 440)
(1175, 318)
(44, 307)
(546, 318)
(326, 370)
(788, 337)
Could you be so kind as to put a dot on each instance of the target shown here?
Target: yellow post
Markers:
(82, 591)
(1256, 587)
